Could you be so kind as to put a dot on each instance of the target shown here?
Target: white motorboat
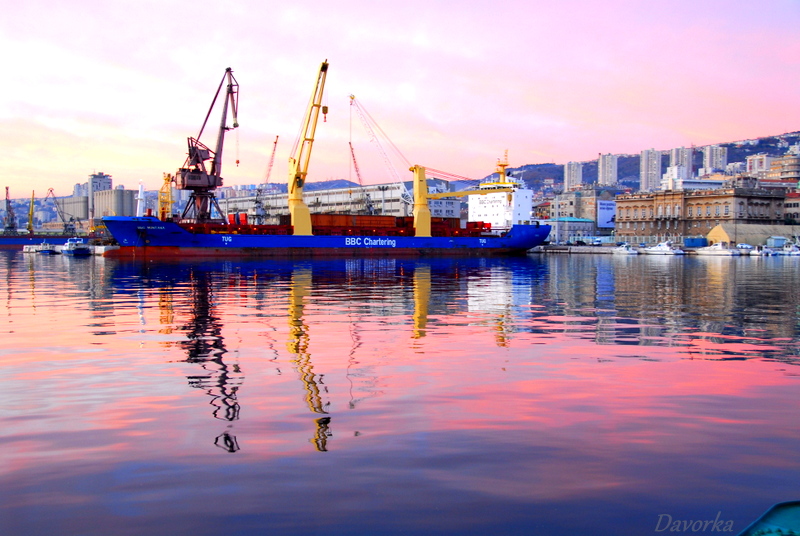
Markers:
(763, 251)
(664, 248)
(76, 247)
(625, 249)
(719, 248)
(789, 249)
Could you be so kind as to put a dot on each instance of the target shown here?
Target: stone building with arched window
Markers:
(677, 214)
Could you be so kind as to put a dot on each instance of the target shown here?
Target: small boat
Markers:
(76, 247)
(46, 248)
(782, 518)
(664, 248)
(625, 249)
(720, 249)
(763, 251)
(789, 249)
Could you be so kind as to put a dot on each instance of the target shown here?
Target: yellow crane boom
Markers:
(298, 164)
(30, 213)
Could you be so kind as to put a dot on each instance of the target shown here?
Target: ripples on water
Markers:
(486, 396)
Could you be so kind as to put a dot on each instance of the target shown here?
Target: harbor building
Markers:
(758, 165)
(607, 170)
(74, 207)
(676, 214)
(569, 229)
(590, 203)
(97, 182)
(674, 178)
(573, 175)
(116, 202)
(783, 172)
(650, 170)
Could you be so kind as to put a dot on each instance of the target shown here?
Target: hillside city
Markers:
(653, 196)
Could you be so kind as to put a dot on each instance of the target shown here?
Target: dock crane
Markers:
(355, 164)
(368, 207)
(298, 164)
(261, 211)
(364, 116)
(10, 221)
(165, 198)
(195, 175)
(69, 226)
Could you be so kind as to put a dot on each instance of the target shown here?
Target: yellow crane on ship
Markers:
(421, 211)
(298, 171)
(30, 213)
(165, 198)
(298, 164)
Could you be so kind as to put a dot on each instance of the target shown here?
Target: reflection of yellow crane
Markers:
(298, 345)
(298, 164)
(422, 296)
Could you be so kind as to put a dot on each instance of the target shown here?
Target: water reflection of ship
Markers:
(206, 346)
(376, 286)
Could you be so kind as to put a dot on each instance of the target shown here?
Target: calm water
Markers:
(543, 395)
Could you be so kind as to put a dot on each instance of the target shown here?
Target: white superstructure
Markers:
(510, 205)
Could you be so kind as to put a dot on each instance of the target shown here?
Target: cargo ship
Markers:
(16, 239)
(202, 230)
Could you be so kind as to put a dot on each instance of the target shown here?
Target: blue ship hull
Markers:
(19, 241)
(149, 236)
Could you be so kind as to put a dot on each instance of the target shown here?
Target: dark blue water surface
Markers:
(561, 394)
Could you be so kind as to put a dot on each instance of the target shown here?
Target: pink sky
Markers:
(118, 86)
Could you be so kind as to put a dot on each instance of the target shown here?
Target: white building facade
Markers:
(758, 164)
(573, 175)
(650, 170)
(607, 170)
(683, 156)
(715, 159)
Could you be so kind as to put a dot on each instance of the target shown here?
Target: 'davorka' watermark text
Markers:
(666, 523)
